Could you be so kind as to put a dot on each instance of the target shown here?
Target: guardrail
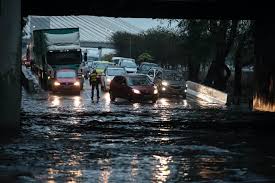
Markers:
(29, 81)
(206, 93)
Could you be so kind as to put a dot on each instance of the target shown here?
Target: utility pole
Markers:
(130, 47)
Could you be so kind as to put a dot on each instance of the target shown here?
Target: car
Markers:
(66, 80)
(116, 60)
(100, 66)
(144, 67)
(129, 65)
(108, 75)
(152, 72)
(133, 87)
(170, 82)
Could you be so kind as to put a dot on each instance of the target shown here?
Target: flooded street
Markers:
(71, 139)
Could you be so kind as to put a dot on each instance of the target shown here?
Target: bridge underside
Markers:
(149, 8)
(88, 44)
(10, 44)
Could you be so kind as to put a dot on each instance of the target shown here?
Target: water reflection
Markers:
(56, 101)
(164, 102)
(162, 170)
(134, 167)
(136, 106)
(185, 104)
(105, 170)
(207, 168)
(107, 102)
(77, 101)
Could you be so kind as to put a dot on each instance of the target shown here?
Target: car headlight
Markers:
(163, 89)
(164, 83)
(109, 80)
(156, 91)
(185, 90)
(136, 91)
(56, 83)
(76, 83)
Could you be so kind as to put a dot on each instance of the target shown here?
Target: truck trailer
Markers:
(55, 49)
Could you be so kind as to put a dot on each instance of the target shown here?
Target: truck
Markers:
(53, 50)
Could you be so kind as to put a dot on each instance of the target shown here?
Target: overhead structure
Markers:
(95, 31)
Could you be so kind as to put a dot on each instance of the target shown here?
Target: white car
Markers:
(152, 72)
(129, 65)
(109, 74)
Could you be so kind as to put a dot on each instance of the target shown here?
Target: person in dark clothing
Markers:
(94, 82)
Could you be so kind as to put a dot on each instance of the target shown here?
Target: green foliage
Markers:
(108, 57)
(163, 45)
(145, 57)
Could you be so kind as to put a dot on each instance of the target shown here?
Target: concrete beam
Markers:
(88, 44)
(10, 61)
(206, 93)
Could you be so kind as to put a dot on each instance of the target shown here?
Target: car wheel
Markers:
(112, 97)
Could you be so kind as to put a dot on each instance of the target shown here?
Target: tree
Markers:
(196, 44)
(244, 54)
(224, 33)
(108, 57)
(163, 45)
(145, 57)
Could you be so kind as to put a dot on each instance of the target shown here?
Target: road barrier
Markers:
(206, 93)
(29, 81)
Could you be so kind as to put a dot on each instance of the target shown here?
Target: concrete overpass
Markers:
(11, 14)
(95, 32)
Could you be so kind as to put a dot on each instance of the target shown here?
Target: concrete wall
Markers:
(206, 93)
(10, 61)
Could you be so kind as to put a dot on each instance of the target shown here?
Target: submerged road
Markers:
(71, 139)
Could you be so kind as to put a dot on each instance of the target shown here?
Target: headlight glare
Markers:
(164, 83)
(77, 83)
(136, 91)
(56, 83)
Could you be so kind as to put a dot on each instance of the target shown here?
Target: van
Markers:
(116, 60)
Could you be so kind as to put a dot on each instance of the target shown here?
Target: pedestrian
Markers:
(94, 82)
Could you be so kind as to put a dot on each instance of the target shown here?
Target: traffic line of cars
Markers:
(122, 78)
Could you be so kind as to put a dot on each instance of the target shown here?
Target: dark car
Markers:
(170, 82)
(66, 80)
(133, 87)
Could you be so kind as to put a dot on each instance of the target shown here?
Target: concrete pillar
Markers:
(10, 64)
(264, 79)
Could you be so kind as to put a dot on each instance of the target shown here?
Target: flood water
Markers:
(66, 138)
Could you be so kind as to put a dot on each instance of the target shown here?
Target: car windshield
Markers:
(67, 74)
(99, 65)
(89, 64)
(138, 81)
(172, 76)
(128, 63)
(115, 72)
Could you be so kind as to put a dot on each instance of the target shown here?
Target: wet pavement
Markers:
(70, 139)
